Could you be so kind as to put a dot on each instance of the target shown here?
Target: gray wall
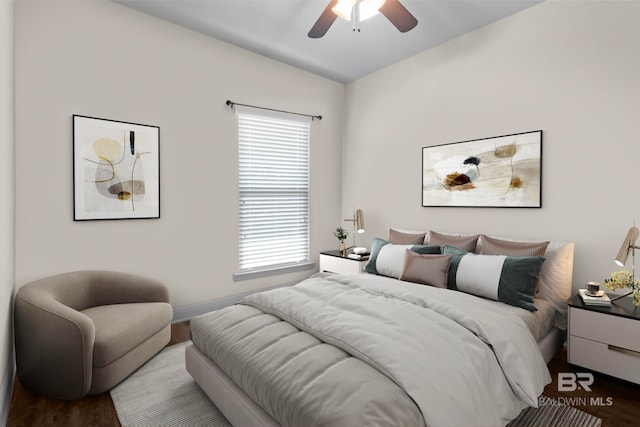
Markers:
(571, 69)
(6, 206)
(101, 59)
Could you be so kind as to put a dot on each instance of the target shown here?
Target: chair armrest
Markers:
(54, 345)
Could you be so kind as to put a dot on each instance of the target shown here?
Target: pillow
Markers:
(467, 243)
(493, 246)
(387, 259)
(425, 269)
(510, 279)
(400, 238)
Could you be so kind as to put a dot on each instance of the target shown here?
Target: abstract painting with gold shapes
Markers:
(116, 169)
(502, 171)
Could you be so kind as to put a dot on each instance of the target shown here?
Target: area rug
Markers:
(555, 416)
(163, 394)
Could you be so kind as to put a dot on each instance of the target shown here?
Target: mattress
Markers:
(399, 369)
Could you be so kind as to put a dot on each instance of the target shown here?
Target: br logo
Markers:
(568, 381)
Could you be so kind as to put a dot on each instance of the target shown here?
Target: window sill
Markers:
(274, 270)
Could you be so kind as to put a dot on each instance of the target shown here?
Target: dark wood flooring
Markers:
(28, 409)
(624, 397)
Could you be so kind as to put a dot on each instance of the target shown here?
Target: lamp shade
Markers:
(366, 8)
(628, 244)
(369, 8)
(359, 221)
(343, 9)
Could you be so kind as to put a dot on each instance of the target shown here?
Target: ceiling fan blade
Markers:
(399, 16)
(323, 23)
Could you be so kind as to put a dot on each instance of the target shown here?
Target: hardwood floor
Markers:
(615, 401)
(28, 409)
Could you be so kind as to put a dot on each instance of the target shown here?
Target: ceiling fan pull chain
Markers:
(356, 15)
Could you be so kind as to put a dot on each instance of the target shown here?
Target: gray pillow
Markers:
(510, 279)
(387, 259)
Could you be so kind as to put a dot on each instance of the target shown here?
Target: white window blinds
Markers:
(273, 178)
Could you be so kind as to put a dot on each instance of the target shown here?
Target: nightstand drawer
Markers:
(341, 265)
(605, 328)
(603, 358)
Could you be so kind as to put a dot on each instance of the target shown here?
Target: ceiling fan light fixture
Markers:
(359, 10)
(343, 9)
(369, 8)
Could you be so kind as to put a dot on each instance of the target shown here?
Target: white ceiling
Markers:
(278, 29)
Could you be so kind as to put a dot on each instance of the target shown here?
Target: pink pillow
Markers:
(399, 238)
(467, 243)
(426, 269)
(493, 246)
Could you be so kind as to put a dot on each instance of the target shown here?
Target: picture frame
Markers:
(500, 171)
(116, 169)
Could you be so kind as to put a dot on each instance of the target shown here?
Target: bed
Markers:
(372, 349)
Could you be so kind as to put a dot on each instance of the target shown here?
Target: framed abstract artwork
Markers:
(116, 169)
(501, 171)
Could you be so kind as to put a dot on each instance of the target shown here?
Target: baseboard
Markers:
(181, 314)
(6, 388)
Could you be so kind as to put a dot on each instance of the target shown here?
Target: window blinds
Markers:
(273, 178)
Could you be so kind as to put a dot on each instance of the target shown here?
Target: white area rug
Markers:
(162, 394)
(555, 416)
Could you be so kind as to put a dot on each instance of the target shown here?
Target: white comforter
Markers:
(463, 362)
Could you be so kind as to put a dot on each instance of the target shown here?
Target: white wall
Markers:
(101, 59)
(6, 207)
(570, 68)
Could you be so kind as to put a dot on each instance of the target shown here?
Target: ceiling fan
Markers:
(359, 10)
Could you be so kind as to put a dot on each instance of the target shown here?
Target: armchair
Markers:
(83, 332)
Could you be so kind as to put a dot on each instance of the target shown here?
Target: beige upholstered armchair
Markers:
(84, 332)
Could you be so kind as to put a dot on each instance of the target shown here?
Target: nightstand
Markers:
(334, 262)
(606, 339)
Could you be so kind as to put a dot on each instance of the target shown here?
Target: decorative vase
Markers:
(342, 248)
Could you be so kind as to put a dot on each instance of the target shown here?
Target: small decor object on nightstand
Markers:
(623, 279)
(598, 298)
(359, 253)
(342, 235)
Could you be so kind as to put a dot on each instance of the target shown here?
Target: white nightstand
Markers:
(334, 262)
(606, 339)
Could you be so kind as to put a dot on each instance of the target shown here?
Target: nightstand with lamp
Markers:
(351, 260)
(607, 338)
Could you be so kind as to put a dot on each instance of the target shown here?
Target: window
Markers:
(273, 180)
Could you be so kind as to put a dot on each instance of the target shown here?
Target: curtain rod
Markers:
(231, 104)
